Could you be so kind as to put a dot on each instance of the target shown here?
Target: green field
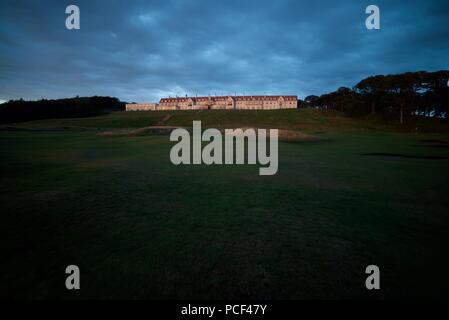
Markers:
(140, 227)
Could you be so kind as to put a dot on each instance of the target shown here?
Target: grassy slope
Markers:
(306, 120)
(139, 227)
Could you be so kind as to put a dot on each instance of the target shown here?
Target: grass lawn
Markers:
(140, 227)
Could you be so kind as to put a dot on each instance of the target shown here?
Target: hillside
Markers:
(306, 120)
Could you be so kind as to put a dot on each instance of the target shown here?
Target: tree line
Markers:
(21, 110)
(398, 96)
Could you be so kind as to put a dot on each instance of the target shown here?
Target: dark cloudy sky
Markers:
(143, 50)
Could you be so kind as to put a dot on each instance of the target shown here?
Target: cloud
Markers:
(143, 50)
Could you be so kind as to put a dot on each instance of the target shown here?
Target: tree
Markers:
(372, 88)
(20, 110)
(311, 100)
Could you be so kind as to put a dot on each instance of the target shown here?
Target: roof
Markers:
(238, 98)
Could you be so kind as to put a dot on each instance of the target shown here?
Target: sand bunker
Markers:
(283, 135)
(296, 136)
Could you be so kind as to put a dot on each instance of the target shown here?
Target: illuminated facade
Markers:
(220, 102)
